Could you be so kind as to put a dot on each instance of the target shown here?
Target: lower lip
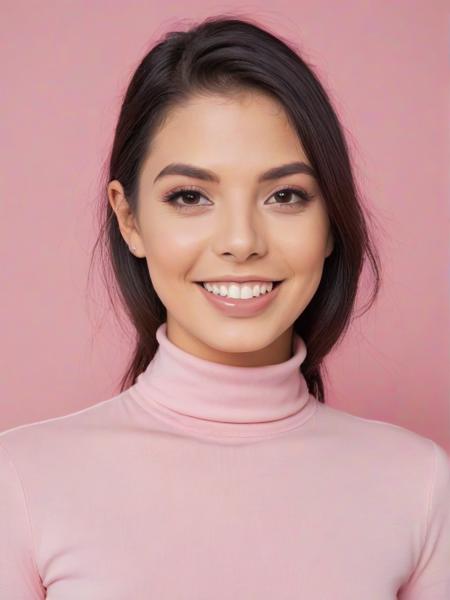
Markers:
(237, 307)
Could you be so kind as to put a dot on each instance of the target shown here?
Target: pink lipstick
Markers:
(238, 307)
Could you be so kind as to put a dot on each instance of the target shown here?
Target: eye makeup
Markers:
(191, 191)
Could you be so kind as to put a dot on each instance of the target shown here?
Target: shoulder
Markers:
(372, 433)
(64, 433)
(390, 449)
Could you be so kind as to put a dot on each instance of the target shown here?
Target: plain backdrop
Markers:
(66, 64)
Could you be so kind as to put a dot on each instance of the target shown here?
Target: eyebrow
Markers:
(199, 173)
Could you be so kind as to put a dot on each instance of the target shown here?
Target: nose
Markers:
(239, 230)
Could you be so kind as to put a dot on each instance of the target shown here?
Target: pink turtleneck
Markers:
(205, 481)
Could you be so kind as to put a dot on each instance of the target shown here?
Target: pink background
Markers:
(65, 67)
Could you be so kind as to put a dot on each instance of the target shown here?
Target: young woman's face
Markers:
(230, 224)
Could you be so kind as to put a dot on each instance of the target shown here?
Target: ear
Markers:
(126, 219)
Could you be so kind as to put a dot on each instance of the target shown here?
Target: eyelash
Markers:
(171, 197)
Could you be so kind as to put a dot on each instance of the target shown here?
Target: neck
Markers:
(215, 400)
(278, 351)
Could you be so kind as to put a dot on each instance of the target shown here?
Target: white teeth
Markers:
(235, 290)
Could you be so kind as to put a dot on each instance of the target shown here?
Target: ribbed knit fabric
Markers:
(205, 481)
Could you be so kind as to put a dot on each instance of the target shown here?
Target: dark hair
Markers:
(223, 55)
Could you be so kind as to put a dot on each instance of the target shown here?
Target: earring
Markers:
(132, 248)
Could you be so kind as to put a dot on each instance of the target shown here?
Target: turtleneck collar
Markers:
(216, 400)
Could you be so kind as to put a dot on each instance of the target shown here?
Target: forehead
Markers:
(248, 129)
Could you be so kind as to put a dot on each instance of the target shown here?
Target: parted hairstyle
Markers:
(220, 55)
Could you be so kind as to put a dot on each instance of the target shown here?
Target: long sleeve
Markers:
(19, 577)
(276, 495)
(431, 577)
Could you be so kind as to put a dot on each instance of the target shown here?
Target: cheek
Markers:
(304, 247)
(170, 252)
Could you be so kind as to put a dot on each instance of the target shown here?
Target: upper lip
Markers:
(239, 278)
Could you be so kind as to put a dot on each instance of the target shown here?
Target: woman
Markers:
(237, 238)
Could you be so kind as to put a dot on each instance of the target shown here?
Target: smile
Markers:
(232, 305)
(241, 291)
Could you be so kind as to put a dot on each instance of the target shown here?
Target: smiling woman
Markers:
(236, 168)
(256, 211)
(236, 238)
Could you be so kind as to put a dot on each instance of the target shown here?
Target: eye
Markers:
(191, 195)
(303, 197)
